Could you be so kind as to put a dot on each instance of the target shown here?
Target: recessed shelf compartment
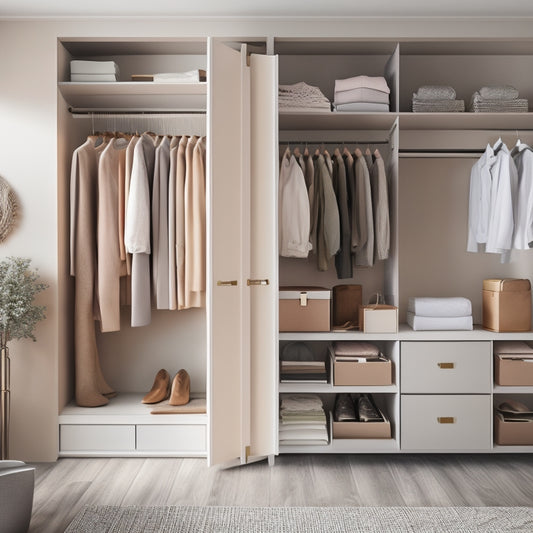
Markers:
(465, 121)
(329, 120)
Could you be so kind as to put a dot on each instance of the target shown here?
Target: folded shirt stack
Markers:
(302, 420)
(436, 99)
(93, 71)
(498, 100)
(302, 97)
(440, 314)
(362, 93)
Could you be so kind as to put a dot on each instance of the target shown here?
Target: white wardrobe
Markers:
(232, 348)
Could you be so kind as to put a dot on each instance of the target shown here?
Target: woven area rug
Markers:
(106, 519)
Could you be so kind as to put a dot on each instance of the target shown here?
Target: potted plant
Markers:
(18, 317)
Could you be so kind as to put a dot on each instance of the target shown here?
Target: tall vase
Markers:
(4, 402)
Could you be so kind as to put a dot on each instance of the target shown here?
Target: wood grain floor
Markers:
(63, 488)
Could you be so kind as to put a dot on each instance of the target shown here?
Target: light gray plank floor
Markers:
(63, 488)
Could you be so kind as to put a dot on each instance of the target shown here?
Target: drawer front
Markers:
(433, 422)
(172, 438)
(446, 367)
(96, 438)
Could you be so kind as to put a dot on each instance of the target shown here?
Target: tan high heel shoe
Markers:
(160, 389)
(181, 384)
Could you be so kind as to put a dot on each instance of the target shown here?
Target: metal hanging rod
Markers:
(282, 143)
(121, 112)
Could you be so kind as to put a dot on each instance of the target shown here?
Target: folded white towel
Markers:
(362, 107)
(370, 82)
(191, 76)
(78, 66)
(363, 94)
(94, 78)
(440, 323)
(440, 307)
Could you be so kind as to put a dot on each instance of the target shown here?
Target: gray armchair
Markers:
(16, 496)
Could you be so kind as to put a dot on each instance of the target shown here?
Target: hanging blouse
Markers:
(343, 260)
(364, 248)
(380, 207)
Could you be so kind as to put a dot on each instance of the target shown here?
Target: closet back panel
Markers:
(433, 218)
(465, 73)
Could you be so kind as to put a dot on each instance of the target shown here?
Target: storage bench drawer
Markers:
(446, 367)
(96, 438)
(445, 422)
(172, 438)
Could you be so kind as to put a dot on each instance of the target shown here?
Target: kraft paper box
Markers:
(507, 304)
(378, 318)
(304, 309)
(513, 371)
(512, 433)
(362, 430)
(352, 373)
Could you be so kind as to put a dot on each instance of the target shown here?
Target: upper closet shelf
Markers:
(144, 96)
(321, 120)
(466, 121)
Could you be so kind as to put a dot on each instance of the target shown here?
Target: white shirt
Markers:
(523, 158)
(294, 213)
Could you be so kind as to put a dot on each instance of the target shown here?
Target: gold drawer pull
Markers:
(446, 420)
(257, 282)
(446, 365)
(231, 283)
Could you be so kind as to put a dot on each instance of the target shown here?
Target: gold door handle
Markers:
(257, 282)
(446, 420)
(231, 283)
(446, 365)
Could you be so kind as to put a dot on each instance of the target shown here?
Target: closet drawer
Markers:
(458, 422)
(172, 438)
(446, 367)
(97, 438)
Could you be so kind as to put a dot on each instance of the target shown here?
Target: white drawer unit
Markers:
(446, 422)
(96, 438)
(184, 438)
(446, 367)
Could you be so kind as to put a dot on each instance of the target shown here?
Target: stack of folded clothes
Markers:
(302, 97)
(302, 420)
(436, 99)
(356, 352)
(498, 100)
(358, 409)
(93, 71)
(362, 93)
(440, 314)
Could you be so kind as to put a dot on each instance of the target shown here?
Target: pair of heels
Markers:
(177, 392)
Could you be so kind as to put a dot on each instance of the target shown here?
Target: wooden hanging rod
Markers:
(133, 111)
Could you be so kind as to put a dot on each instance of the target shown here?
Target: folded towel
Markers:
(370, 82)
(300, 402)
(363, 94)
(78, 66)
(435, 92)
(505, 92)
(358, 348)
(95, 78)
(438, 106)
(362, 107)
(440, 323)
(444, 307)
(191, 76)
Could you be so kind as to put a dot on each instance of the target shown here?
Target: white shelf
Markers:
(191, 97)
(125, 408)
(329, 120)
(502, 389)
(465, 121)
(328, 388)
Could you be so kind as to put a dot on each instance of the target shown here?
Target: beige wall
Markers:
(28, 148)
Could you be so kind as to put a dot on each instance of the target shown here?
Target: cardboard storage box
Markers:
(362, 430)
(346, 302)
(507, 304)
(378, 318)
(347, 373)
(512, 433)
(512, 371)
(304, 309)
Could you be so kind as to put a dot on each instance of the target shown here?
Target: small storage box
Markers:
(513, 371)
(507, 304)
(362, 430)
(304, 309)
(346, 302)
(378, 318)
(512, 433)
(348, 373)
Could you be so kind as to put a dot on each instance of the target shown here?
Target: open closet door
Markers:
(226, 116)
(263, 283)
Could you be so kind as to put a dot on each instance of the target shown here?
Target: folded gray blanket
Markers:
(438, 106)
(435, 92)
(504, 92)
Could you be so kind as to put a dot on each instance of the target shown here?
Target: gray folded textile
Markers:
(367, 107)
(504, 92)
(435, 92)
(438, 106)
(362, 94)
(504, 108)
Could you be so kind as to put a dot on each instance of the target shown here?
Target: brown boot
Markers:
(160, 389)
(181, 384)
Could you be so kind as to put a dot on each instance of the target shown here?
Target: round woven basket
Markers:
(8, 209)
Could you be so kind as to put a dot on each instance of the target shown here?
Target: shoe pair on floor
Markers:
(177, 392)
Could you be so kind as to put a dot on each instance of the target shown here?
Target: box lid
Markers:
(507, 285)
(313, 293)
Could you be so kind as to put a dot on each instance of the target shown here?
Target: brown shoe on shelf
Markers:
(181, 385)
(160, 389)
